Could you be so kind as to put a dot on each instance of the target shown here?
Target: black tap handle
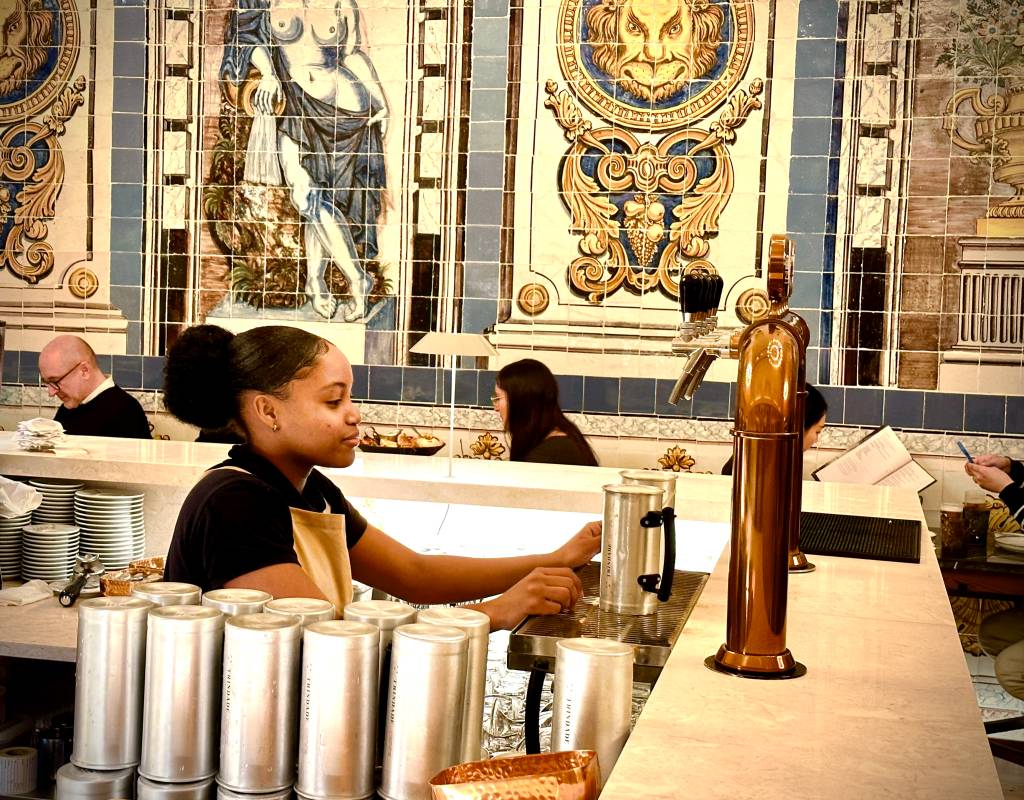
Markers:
(531, 724)
(70, 592)
(668, 566)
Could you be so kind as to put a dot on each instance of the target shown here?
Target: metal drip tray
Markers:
(532, 643)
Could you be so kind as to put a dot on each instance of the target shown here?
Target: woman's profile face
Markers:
(500, 400)
(812, 433)
(318, 420)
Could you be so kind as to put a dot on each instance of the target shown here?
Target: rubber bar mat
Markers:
(860, 537)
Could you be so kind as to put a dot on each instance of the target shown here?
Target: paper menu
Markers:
(878, 459)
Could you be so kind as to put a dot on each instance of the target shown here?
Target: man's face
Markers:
(64, 378)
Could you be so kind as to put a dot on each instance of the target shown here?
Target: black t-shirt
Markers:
(113, 412)
(233, 523)
(559, 450)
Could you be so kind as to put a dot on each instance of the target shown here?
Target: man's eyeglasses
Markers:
(55, 384)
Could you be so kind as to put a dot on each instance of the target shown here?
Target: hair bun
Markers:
(197, 377)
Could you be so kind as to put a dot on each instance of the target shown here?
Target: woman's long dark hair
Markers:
(533, 410)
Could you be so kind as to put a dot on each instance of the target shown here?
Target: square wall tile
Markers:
(711, 400)
(419, 385)
(904, 409)
(600, 395)
(863, 406)
(985, 413)
(943, 412)
(636, 396)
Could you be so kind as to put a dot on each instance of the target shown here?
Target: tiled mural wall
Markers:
(538, 171)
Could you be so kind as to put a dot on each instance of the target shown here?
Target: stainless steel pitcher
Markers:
(638, 549)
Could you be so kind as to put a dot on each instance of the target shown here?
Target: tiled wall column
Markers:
(486, 164)
(128, 165)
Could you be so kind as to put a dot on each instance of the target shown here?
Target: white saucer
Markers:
(1014, 542)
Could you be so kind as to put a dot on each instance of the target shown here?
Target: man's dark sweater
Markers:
(113, 412)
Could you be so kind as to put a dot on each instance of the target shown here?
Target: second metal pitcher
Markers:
(638, 549)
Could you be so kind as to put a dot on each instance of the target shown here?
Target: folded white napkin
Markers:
(31, 592)
(17, 499)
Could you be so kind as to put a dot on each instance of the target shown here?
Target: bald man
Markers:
(92, 404)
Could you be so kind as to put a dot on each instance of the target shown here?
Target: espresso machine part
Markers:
(75, 783)
(424, 708)
(385, 615)
(234, 602)
(182, 695)
(338, 718)
(258, 703)
(168, 593)
(477, 626)
(638, 552)
(307, 609)
(86, 566)
(658, 478)
(146, 789)
(593, 699)
(108, 682)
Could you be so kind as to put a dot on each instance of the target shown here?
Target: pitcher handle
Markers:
(668, 566)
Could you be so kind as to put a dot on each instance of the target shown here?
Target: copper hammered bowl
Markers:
(573, 775)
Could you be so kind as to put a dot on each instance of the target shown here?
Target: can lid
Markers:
(661, 476)
(596, 647)
(163, 588)
(298, 605)
(476, 622)
(358, 634)
(264, 622)
(632, 488)
(424, 633)
(210, 617)
(238, 596)
(114, 605)
(386, 614)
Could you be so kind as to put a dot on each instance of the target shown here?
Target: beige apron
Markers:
(322, 549)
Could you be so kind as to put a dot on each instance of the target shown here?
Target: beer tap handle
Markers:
(668, 566)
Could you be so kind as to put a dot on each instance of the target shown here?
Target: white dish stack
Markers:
(113, 525)
(48, 551)
(10, 544)
(58, 501)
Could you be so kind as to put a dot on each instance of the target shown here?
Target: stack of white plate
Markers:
(58, 501)
(113, 525)
(48, 551)
(10, 544)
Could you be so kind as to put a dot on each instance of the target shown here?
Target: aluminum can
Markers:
(628, 549)
(477, 626)
(75, 783)
(168, 593)
(233, 602)
(593, 698)
(307, 609)
(338, 710)
(385, 615)
(259, 703)
(658, 478)
(182, 696)
(109, 679)
(425, 699)
(146, 789)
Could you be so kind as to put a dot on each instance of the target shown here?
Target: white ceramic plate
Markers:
(1013, 542)
(101, 496)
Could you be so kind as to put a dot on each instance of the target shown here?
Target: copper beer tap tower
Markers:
(767, 464)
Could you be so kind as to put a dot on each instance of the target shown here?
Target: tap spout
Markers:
(697, 365)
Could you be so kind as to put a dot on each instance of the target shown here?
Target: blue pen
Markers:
(964, 451)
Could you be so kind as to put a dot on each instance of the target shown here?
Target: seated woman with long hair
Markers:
(526, 397)
(815, 413)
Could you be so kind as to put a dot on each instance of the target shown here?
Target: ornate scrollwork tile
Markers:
(676, 459)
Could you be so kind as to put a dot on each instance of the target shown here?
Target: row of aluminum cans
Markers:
(262, 694)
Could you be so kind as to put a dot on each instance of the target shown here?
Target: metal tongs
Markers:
(85, 567)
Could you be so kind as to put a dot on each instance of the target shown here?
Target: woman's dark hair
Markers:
(815, 408)
(533, 410)
(208, 368)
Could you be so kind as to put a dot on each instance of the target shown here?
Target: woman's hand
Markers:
(546, 590)
(267, 94)
(580, 548)
(988, 460)
(991, 478)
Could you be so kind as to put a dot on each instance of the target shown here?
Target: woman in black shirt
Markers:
(266, 519)
(526, 397)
